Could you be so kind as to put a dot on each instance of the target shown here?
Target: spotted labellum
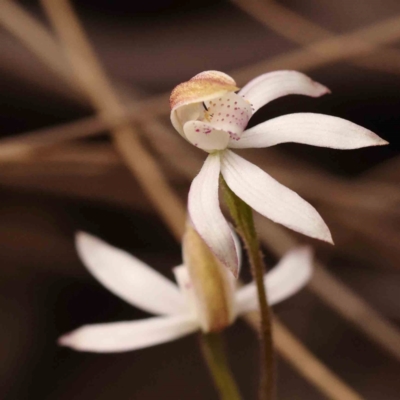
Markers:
(210, 112)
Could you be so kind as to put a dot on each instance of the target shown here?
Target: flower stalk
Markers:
(243, 217)
(213, 349)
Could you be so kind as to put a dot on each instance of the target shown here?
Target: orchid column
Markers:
(208, 113)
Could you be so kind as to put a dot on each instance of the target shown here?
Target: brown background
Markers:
(148, 49)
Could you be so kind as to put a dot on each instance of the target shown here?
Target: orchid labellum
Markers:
(212, 113)
(206, 297)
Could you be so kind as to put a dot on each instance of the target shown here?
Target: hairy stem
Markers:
(243, 218)
(213, 348)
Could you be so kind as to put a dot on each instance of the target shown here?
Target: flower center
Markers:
(229, 113)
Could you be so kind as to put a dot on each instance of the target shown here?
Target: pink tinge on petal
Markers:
(204, 136)
(272, 85)
(230, 113)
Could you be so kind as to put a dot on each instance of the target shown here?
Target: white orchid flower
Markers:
(208, 113)
(205, 298)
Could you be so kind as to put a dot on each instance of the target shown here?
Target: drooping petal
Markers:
(204, 136)
(203, 87)
(206, 215)
(272, 85)
(271, 199)
(128, 277)
(126, 336)
(290, 275)
(230, 113)
(308, 128)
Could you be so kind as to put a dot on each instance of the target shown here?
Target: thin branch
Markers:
(300, 30)
(34, 36)
(341, 47)
(336, 294)
(346, 46)
(310, 367)
(329, 385)
(95, 84)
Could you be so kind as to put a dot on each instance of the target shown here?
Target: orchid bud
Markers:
(213, 285)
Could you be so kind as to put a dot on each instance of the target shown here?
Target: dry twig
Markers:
(95, 84)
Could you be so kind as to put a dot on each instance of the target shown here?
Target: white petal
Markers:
(181, 115)
(308, 128)
(203, 135)
(229, 113)
(128, 277)
(291, 274)
(272, 85)
(126, 336)
(182, 277)
(206, 215)
(271, 199)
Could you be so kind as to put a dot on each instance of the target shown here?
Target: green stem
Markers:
(243, 218)
(213, 349)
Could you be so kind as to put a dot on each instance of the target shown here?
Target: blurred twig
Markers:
(300, 30)
(347, 46)
(94, 82)
(157, 105)
(306, 363)
(336, 294)
(35, 36)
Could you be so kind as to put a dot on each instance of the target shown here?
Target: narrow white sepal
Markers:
(272, 85)
(308, 128)
(271, 199)
(289, 276)
(129, 278)
(126, 336)
(206, 215)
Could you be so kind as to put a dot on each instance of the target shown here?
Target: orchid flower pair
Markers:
(208, 113)
(206, 297)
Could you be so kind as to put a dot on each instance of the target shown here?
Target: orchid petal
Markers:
(290, 275)
(126, 336)
(206, 215)
(308, 128)
(271, 199)
(204, 136)
(272, 85)
(129, 278)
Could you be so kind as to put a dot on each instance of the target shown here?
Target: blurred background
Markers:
(61, 173)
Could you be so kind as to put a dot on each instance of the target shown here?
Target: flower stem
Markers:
(243, 217)
(213, 349)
